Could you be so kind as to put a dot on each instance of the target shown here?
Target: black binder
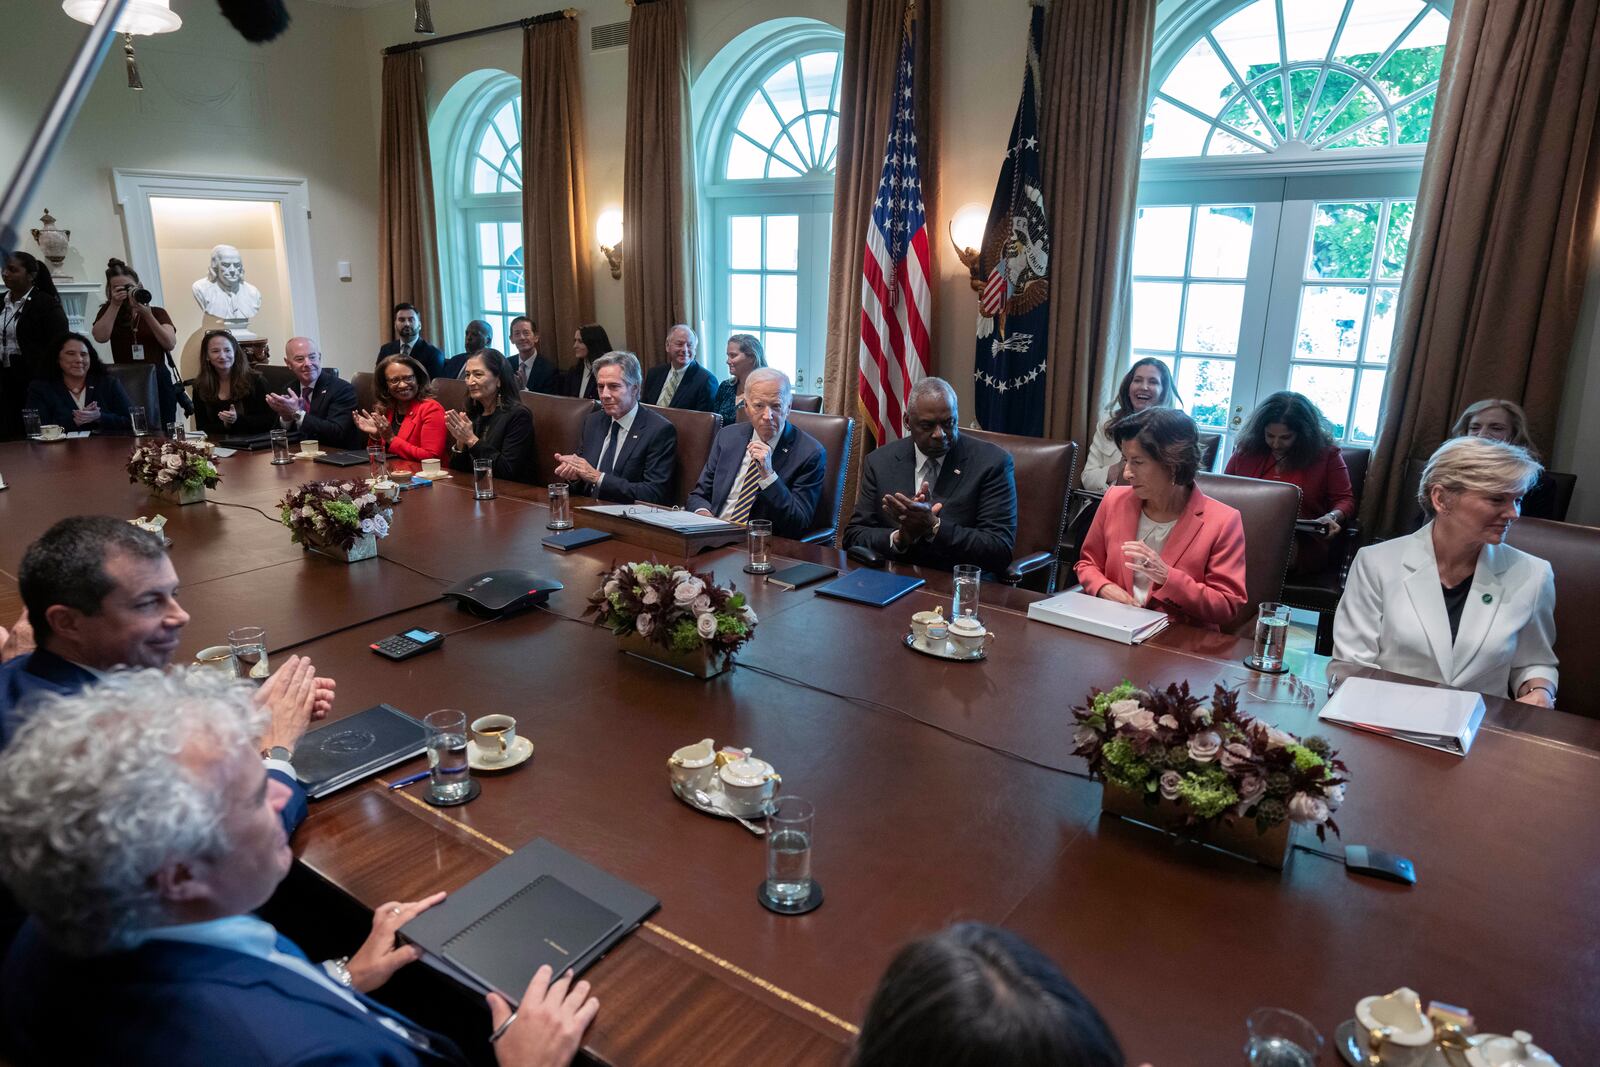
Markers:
(358, 746)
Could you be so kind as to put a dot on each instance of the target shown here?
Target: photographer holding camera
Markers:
(139, 332)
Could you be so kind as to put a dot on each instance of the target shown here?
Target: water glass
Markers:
(249, 647)
(760, 535)
(280, 448)
(175, 431)
(30, 422)
(1272, 634)
(136, 420)
(789, 836)
(378, 460)
(449, 776)
(482, 479)
(966, 580)
(1279, 1038)
(560, 507)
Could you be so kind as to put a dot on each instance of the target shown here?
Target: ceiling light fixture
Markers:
(424, 22)
(141, 17)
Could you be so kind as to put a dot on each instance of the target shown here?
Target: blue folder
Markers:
(866, 586)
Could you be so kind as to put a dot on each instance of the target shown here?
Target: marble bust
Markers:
(224, 293)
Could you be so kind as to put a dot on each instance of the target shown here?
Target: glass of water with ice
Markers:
(789, 835)
(449, 777)
(1272, 634)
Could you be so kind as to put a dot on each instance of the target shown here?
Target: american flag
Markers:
(895, 302)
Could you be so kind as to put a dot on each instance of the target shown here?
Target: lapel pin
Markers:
(1488, 598)
(958, 470)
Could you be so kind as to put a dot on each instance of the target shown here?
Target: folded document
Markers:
(1445, 719)
(1102, 618)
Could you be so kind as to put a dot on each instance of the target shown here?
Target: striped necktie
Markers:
(669, 390)
(749, 489)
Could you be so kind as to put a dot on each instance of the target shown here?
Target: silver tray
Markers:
(715, 803)
(945, 649)
(1347, 1042)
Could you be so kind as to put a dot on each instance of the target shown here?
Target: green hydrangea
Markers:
(1123, 765)
(1178, 757)
(1304, 758)
(1207, 792)
(727, 624)
(344, 512)
(683, 637)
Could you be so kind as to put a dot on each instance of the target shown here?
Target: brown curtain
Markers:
(658, 208)
(554, 217)
(408, 254)
(872, 34)
(1500, 239)
(1096, 59)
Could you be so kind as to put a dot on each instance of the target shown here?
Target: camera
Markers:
(141, 296)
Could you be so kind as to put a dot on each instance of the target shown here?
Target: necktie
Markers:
(405, 349)
(749, 489)
(669, 390)
(930, 474)
(522, 375)
(608, 454)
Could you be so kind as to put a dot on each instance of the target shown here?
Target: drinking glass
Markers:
(174, 431)
(482, 479)
(378, 461)
(449, 777)
(280, 448)
(1272, 633)
(789, 836)
(136, 420)
(1279, 1038)
(966, 580)
(30, 422)
(560, 507)
(760, 534)
(249, 647)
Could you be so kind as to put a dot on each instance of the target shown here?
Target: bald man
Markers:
(319, 406)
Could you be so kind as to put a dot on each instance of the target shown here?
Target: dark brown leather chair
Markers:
(809, 402)
(1044, 486)
(363, 383)
(1268, 510)
(138, 380)
(835, 433)
(279, 378)
(450, 392)
(1573, 552)
(696, 430)
(1210, 445)
(557, 427)
(1320, 592)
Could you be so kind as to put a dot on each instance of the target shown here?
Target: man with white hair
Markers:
(767, 468)
(139, 831)
(319, 405)
(682, 382)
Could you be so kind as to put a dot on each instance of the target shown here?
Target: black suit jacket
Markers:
(978, 488)
(506, 437)
(329, 419)
(55, 404)
(452, 366)
(574, 378)
(431, 358)
(543, 375)
(646, 460)
(697, 391)
(799, 461)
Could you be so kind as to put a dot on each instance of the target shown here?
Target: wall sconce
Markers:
(608, 232)
(142, 17)
(424, 22)
(966, 233)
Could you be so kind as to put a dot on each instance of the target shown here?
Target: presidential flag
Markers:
(895, 302)
(1012, 274)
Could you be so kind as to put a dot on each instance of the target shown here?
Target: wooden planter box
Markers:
(1238, 836)
(181, 494)
(701, 663)
(365, 547)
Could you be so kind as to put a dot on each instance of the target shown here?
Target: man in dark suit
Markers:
(936, 498)
(140, 876)
(682, 383)
(320, 405)
(767, 468)
(479, 334)
(408, 341)
(535, 374)
(627, 452)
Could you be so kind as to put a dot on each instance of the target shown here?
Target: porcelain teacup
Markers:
(216, 657)
(432, 466)
(1395, 1029)
(495, 736)
(969, 636)
(51, 432)
(924, 619)
(386, 490)
(310, 448)
(749, 786)
(695, 766)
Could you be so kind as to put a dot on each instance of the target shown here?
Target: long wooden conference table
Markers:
(944, 792)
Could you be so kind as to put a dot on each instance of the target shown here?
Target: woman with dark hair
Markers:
(138, 332)
(588, 344)
(76, 393)
(31, 324)
(1148, 384)
(407, 421)
(744, 355)
(1287, 440)
(1504, 420)
(230, 398)
(975, 996)
(495, 425)
(1158, 541)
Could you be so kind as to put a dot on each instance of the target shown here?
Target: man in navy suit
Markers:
(682, 383)
(766, 468)
(535, 374)
(408, 341)
(627, 452)
(479, 334)
(936, 498)
(320, 405)
(140, 875)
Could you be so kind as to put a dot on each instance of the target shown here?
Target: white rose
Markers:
(1303, 807)
(688, 590)
(366, 526)
(749, 616)
(1335, 797)
(613, 587)
(1122, 710)
(173, 461)
(650, 595)
(380, 525)
(164, 478)
(707, 625)
(701, 605)
(644, 624)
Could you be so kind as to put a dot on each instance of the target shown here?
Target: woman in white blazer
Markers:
(1452, 603)
(1148, 384)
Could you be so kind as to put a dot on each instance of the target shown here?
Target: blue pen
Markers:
(408, 780)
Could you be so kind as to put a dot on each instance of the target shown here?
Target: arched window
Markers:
(768, 148)
(480, 205)
(1282, 150)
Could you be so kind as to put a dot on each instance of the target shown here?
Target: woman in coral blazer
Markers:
(408, 421)
(1158, 541)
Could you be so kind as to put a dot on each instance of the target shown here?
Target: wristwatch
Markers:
(339, 970)
(278, 752)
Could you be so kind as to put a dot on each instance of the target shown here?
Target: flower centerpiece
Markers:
(173, 470)
(339, 519)
(673, 615)
(1207, 771)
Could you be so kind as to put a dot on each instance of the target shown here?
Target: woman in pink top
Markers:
(1158, 541)
(408, 421)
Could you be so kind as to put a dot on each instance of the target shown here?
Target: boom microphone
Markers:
(257, 20)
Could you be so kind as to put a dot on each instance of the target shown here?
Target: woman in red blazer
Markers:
(1287, 440)
(408, 421)
(1158, 541)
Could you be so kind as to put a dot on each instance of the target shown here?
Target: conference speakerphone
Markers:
(411, 643)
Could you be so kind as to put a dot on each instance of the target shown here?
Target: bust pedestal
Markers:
(256, 350)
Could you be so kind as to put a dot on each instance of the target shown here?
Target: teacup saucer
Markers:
(521, 749)
(307, 455)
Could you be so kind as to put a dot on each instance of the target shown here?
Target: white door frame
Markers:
(134, 188)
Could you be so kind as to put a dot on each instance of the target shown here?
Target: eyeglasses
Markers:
(403, 380)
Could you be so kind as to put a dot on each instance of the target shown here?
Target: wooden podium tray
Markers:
(656, 538)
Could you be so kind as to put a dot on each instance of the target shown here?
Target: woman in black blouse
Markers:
(31, 324)
(495, 426)
(230, 398)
